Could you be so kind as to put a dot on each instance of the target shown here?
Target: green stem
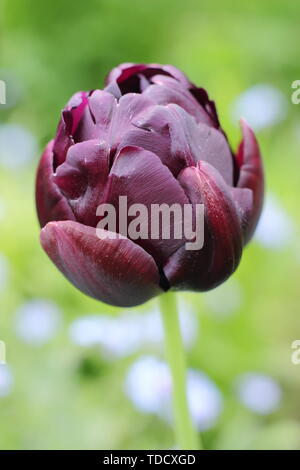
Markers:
(186, 435)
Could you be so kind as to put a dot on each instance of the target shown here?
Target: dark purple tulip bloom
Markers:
(155, 137)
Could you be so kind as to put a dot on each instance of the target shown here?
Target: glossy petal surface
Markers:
(115, 271)
(251, 175)
(50, 203)
(143, 179)
(223, 240)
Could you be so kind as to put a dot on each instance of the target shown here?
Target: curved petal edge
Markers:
(111, 268)
(220, 255)
(50, 203)
(251, 175)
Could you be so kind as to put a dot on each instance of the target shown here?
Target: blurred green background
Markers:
(63, 384)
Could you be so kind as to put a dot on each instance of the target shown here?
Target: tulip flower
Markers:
(152, 136)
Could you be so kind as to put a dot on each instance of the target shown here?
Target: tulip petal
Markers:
(141, 176)
(166, 90)
(127, 70)
(128, 108)
(98, 115)
(124, 71)
(70, 119)
(243, 199)
(108, 119)
(172, 124)
(178, 74)
(82, 178)
(128, 76)
(112, 270)
(208, 267)
(189, 142)
(160, 144)
(214, 149)
(251, 175)
(113, 89)
(50, 203)
(102, 106)
(202, 97)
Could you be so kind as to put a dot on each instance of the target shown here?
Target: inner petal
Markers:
(141, 176)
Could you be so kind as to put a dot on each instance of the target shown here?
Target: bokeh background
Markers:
(81, 374)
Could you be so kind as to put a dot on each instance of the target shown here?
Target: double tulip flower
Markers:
(154, 137)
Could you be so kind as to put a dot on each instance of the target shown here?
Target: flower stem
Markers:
(186, 435)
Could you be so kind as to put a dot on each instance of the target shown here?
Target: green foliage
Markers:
(65, 396)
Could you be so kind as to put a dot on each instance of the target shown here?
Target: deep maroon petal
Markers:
(124, 71)
(202, 97)
(127, 110)
(127, 70)
(166, 90)
(158, 143)
(206, 268)
(137, 78)
(70, 119)
(188, 141)
(82, 178)
(251, 175)
(115, 271)
(50, 203)
(174, 128)
(140, 175)
(214, 149)
(97, 116)
(243, 199)
(108, 119)
(178, 74)
(132, 78)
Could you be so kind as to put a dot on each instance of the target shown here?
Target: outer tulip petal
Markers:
(214, 149)
(140, 175)
(50, 203)
(115, 271)
(206, 268)
(243, 198)
(250, 175)
(82, 178)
